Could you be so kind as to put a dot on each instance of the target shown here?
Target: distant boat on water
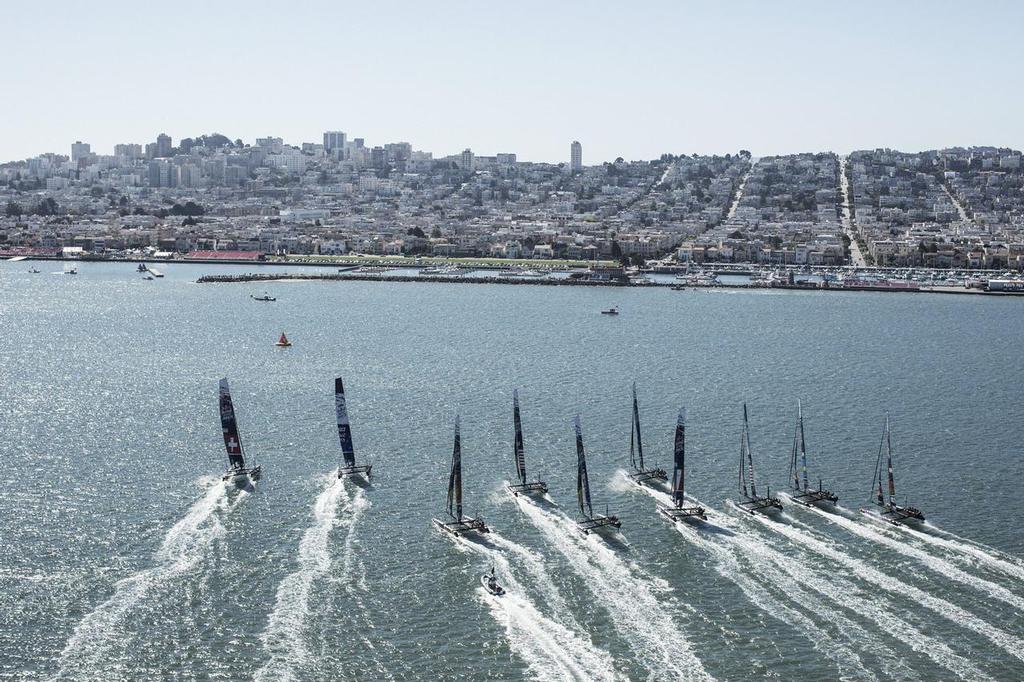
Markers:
(348, 453)
(264, 297)
(803, 493)
(457, 522)
(33, 270)
(892, 512)
(610, 311)
(283, 342)
(640, 474)
(752, 502)
(519, 455)
(238, 473)
(70, 269)
(589, 520)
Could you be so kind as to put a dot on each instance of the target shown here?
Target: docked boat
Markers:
(588, 519)
(803, 493)
(640, 474)
(238, 473)
(610, 311)
(889, 510)
(490, 583)
(283, 342)
(348, 454)
(679, 510)
(457, 523)
(265, 297)
(752, 502)
(519, 454)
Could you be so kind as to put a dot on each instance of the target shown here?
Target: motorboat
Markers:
(490, 583)
(610, 311)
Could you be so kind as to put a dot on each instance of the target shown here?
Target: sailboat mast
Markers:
(803, 445)
(344, 428)
(743, 448)
(582, 480)
(455, 479)
(229, 428)
(636, 426)
(518, 449)
(679, 460)
(888, 450)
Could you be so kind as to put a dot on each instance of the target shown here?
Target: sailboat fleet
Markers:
(244, 473)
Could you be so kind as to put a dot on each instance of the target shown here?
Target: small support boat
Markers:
(33, 270)
(610, 311)
(890, 511)
(349, 466)
(803, 493)
(679, 511)
(70, 269)
(519, 454)
(265, 297)
(640, 474)
(752, 502)
(238, 473)
(457, 523)
(148, 278)
(283, 342)
(589, 520)
(490, 583)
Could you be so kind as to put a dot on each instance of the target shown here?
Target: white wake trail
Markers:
(550, 650)
(638, 614)
(933, 562)
(726, 552)
(91, 643)
(284, 636)
(1011, 644)
(992, 558)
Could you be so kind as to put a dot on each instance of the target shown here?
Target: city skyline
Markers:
(635, 83)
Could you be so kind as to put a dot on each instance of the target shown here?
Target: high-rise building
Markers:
(79, 149)
(128, 151)
(466, 160)
(334, 139)
(163, 145)
(576, 157)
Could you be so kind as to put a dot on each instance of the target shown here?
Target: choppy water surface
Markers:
(123, 556)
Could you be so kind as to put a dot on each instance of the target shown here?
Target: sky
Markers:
(630, 79)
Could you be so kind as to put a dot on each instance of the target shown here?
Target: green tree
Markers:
(13, 210)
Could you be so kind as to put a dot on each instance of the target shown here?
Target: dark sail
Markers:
(639, 440)
(888, 449)
(679, 458)
(344, 429)
(582, 481)
(746, 459)
(228, 424)
(798, 459)
(518, 449)
(455, 480)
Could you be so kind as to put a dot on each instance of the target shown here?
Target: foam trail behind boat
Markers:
(726, 553)
(91, 645)
(551, 650)
(991, 558)
(1011, 644)
(935, 563)
(284, 636)
(662, 647)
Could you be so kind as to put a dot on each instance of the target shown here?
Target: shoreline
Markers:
(442, 279)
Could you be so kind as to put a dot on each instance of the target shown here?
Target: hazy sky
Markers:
(630, 79)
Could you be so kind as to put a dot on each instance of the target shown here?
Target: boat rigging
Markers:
(640, 474)
(679, 511)
(348, 466)
(804, 494)
(752, 502)
(457, 523)
(519, 454)
(892, 512)
(238, 473)
(589, 520)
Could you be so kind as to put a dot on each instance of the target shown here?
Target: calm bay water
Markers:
(121, 555)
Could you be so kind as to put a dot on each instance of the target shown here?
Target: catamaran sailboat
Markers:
(752, 502)
(237, 473)
(893, 513)
(640, 473)
(457, 524)
(283, 342)
(679, 511)
(589, 521)
(349, 468)
(519, 453)
(803, 493)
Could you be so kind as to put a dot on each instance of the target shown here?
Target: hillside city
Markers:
(211, 196)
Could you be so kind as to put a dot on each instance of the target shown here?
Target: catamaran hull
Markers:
(244, 478)
(648, 475)
(535, 488)
(460, 528)
(598, 523)
(815, 498)
(761, 505)
(895, 518)
(363, 471)
(677, 514)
